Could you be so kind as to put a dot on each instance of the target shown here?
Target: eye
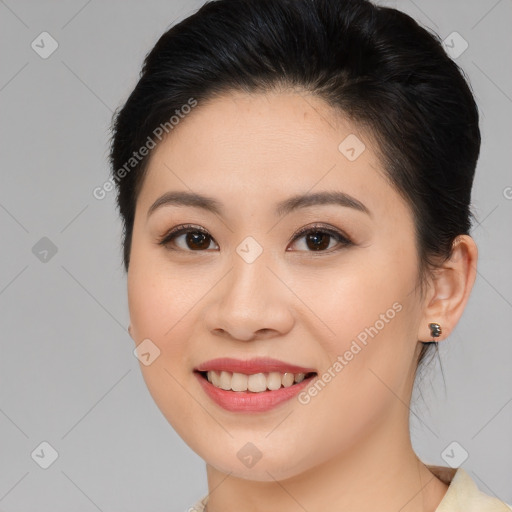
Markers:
(318, 238)
(195, 238)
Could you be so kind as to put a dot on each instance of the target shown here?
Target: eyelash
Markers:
(342, 240)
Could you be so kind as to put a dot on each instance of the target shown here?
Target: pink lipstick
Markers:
(231, 383)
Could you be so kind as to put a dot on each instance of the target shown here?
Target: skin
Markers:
(349, 448)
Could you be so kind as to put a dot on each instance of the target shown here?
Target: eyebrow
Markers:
(284, 207)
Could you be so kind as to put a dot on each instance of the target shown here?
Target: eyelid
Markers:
(179, 230)
(343, 239)
(323, 228)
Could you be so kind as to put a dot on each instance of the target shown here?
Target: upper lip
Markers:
(251, 366)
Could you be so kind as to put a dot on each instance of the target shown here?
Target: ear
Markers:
(449, 289)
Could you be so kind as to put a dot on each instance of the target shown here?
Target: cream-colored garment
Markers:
(462, 495)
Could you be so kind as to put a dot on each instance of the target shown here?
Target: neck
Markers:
(381, 473)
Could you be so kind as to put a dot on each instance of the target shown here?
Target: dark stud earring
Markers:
(435, 330)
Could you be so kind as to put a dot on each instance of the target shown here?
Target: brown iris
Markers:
(321, 240)
(197, 240)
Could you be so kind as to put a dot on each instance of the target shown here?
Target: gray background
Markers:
(68, 375)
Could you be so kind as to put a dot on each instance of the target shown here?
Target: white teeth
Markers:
(239, 382)
(274, 381)
(256, 383)
(225, 381)
(288, 379)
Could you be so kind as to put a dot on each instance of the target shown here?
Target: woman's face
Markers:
(244, 285)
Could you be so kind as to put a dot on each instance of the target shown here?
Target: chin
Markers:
(279, 467)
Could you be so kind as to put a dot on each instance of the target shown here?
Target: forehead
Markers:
(251, 123)
(261, 147)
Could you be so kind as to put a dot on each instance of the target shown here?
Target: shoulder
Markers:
(200, 505)
(463, 495)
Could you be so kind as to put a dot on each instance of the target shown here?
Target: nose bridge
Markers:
(249, 273)
(251, 298)
(249, 262)
(248, 285)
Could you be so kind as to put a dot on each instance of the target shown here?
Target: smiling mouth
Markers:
(255, 383)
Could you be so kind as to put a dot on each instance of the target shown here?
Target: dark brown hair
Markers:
(376, 65)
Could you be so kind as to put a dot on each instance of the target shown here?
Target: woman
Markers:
(294, 179)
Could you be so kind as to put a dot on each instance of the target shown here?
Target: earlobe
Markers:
(451, 286)
(435, 330)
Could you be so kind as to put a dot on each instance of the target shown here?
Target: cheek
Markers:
(158, 299)
(367, 371)
(158, 307)
(160, 315)
(362, 310)
(369, 309)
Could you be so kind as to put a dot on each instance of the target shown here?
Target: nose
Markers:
(250, 303)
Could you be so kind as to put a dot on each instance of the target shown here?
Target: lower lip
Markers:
(247, 401)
